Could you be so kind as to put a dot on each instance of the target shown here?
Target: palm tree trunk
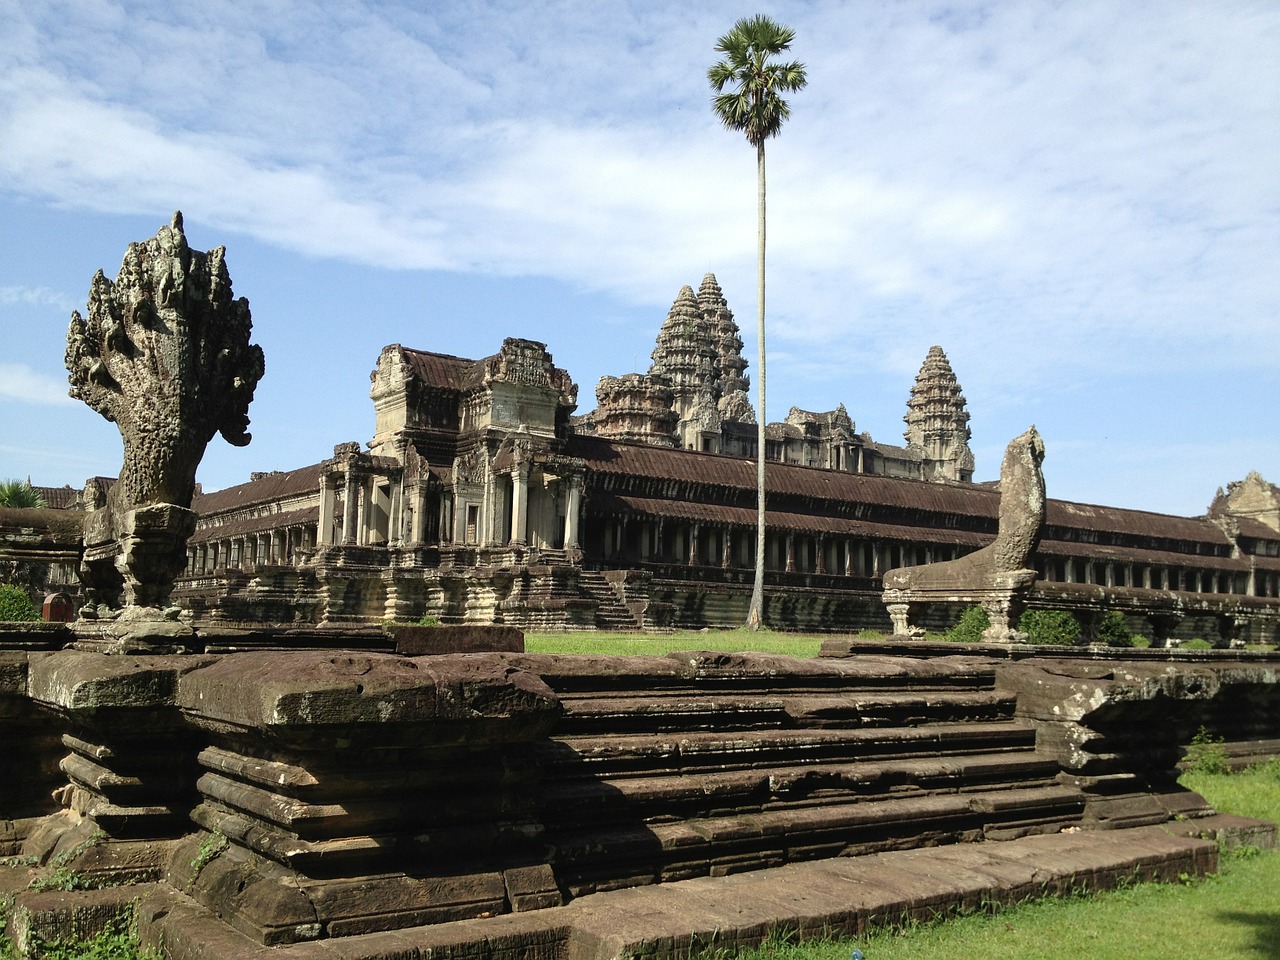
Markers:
(756, 612)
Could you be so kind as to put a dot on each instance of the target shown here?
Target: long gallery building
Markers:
(482, 498)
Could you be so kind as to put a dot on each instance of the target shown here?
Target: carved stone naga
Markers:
(165, 355)
(998, 576)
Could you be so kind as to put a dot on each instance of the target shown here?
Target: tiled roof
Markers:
(441, 369)
(273, 486)
(785, 481)
(58, 498)
(1251, 527)
(270, 521)
(782, 479)
(1085, 516)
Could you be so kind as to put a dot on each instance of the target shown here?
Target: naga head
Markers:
(165, 355)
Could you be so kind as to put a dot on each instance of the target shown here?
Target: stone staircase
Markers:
(611, 612)
(706, 764)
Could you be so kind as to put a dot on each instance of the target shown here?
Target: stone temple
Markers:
(482, 498)
(254, 791)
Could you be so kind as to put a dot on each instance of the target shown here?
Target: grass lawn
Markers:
(1235, 914)
(658, 644)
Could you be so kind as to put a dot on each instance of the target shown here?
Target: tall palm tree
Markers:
(753, 105)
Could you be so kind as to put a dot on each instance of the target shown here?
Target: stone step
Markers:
(728, 750)
(611, 612)
(715, 672)
(588, 861)
(688, 710)
(844, 896)
(712, 791)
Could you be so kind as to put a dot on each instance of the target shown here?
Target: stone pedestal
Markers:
(29, 760)
(130, 766)
(348, 793)
(132, 560)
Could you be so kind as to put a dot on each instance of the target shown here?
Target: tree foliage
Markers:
(1114, 630)
(753, 105)
(20, 494)
(968, 629)
(1050, 627)
(16, 605)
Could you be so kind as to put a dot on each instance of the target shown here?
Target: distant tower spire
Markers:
(686, 353)
(938, 421)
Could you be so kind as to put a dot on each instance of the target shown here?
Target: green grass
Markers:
(658, 644)
(1235, 914)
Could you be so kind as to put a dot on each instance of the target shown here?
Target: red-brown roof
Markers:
(270, 521)
(440, 369)
(1103, 552)
(58, 498)
(783, 479)
(272, 486)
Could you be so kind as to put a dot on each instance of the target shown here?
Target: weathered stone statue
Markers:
(999, 575)
(165, 355)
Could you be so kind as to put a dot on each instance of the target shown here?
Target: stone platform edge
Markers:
(846, 896)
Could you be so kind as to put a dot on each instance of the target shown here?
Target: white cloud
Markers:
(1054, 192)
(18, 382)
(36, 296)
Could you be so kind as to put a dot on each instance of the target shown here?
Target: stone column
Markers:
(694, 530)
(726, 548)
(364, 503)
(350, 509)
(519, 504)
(572, 511)
(324, 522)
(821, 559)
(395, 523)
(418, 530)
(791, 552)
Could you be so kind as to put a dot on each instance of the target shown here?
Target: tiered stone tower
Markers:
(695, 384)
(732, 385)
(688, 355)
(636, 408)
(938, 421)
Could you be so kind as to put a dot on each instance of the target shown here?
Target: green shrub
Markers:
(969, 627)
(1197, 644)
(16, 605)
(1205, 754)
(1114, 630)
(1049, 627)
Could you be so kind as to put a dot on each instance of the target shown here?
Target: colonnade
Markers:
(638, 539)
(251, 550)
(1261, 583)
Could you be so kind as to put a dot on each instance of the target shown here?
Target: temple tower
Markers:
(938, 421)
(731, 384)
(687, 355)
(636, 408)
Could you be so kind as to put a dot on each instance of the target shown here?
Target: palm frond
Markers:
(752, 104)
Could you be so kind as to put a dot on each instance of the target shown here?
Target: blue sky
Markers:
(1079, 201)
